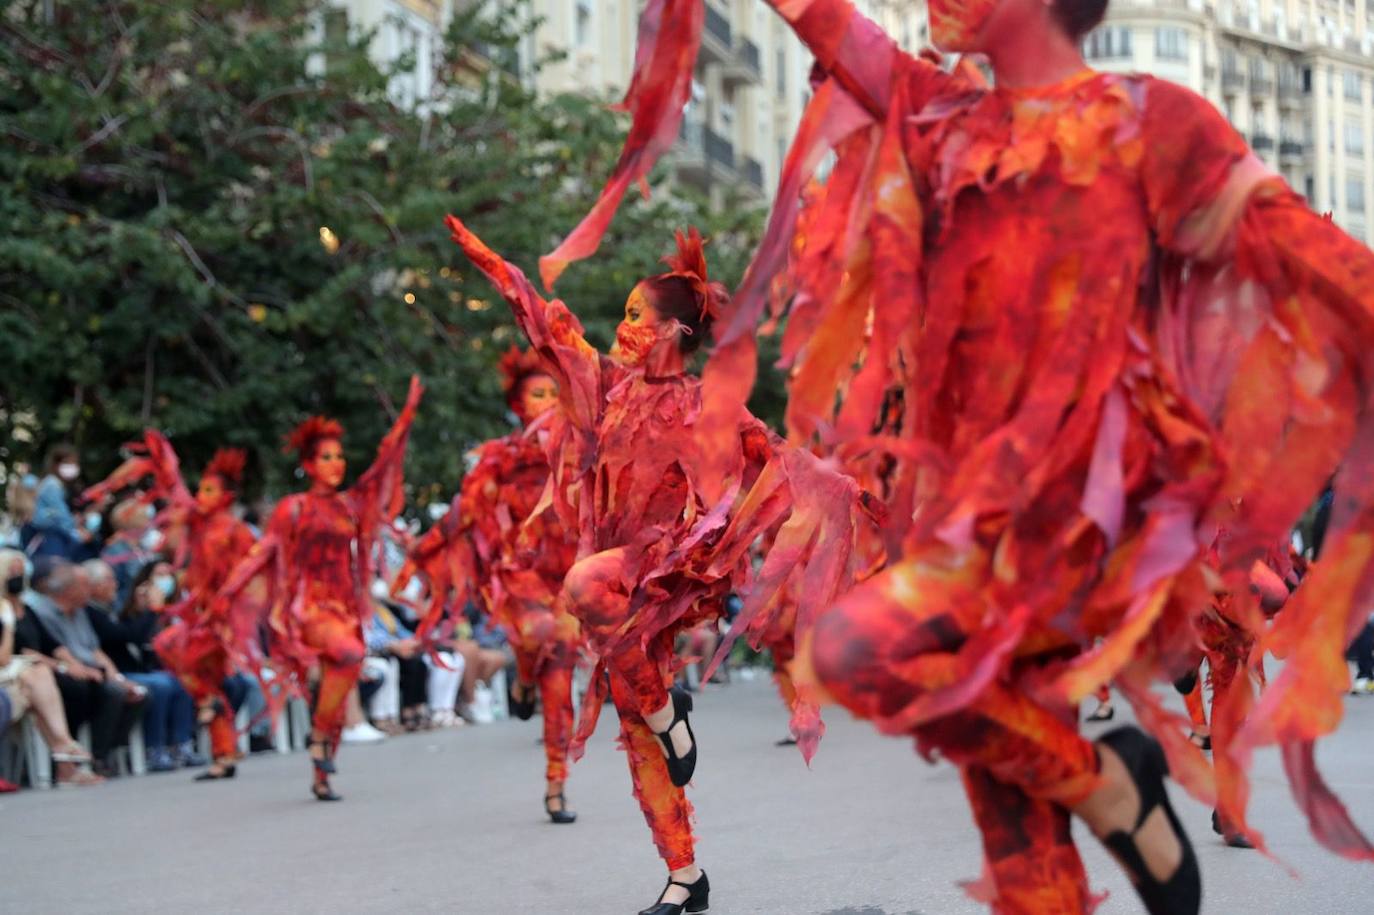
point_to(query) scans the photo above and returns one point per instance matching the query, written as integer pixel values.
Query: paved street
(452, 822)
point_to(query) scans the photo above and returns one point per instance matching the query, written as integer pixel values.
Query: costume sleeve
(1266, 320)
(553, 331)
(376, 496)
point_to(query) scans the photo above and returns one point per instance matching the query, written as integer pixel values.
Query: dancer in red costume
(309, 573)
(1113, 327)
(659, 553)
(208, 540)
(493, 546)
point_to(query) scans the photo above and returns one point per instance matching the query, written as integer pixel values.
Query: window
(1171, 44)
(1354, 137)
(1354, 86)
(1354, 194)
(1110, 42)
(1310, 190)
(782, 74)
(1307, 79)
(584, 23)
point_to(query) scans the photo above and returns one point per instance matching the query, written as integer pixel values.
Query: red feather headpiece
(690, 263)
(228, 464)
(307, 436)
(516, 365)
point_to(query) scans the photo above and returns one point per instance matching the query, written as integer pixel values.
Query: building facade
(751, 81)
(1296, 77)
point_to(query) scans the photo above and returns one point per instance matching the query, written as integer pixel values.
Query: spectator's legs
(114, 718)
(40, 688)
(414, 682)
(384, 707)
(157, 711)
(1362, 652)
(444, 681)
(80, 700)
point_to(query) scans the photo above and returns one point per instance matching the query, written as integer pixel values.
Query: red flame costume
(1113, 328)
(497, 546)
(309, 574)
(658, 552)
(207, 540)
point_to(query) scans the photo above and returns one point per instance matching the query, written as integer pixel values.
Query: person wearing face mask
(493, 547)
(30, 683)
(311, 569)
(659, 549)
(55, 531)
(126, 550)
(1113, 326)
(207, 540)
(127, 638)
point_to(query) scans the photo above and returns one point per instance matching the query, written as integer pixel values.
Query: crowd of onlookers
(84, 594)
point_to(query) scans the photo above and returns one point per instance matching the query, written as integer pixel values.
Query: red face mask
(634, 342)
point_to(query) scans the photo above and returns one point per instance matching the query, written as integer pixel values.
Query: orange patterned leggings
(198, 659)
(336, 637)
(598, 596)
(545, 657)
(1020, 762)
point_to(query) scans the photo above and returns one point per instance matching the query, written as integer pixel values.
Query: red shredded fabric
(1113, 330)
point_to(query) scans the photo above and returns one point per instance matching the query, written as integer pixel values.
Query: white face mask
(151, 540)
(166, 584)
(68, 471)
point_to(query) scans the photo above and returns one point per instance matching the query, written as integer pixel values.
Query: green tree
(219, 222)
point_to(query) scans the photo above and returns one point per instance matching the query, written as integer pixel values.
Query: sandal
(1181, 893)
(82, 778)
(78, 755)
(217, 771)
(680, 769)
(562, 815)
(520, 708)
(324, 767)
(1231, 837)
(698, 898)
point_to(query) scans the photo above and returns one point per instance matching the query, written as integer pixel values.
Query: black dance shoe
(562, 815)
(698, 898)
(520, 708)
(1233, 839)
(680, 769)
(1181, 894)
(210, 775)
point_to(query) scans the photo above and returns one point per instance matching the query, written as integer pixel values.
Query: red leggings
(598, 597)
(335, 635)
(545, 656)
(199, 661)
(1021, 762)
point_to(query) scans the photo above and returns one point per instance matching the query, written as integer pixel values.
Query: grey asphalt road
(452, 822)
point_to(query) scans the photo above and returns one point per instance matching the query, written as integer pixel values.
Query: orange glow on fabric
(956, 24)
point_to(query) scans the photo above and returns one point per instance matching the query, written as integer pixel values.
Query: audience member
(28, 685)
(169, 716)
(127, 551)
(397, 648)
(54, 530)
(93, 690)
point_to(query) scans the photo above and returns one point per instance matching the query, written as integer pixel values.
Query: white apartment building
(1296, 77)
(747, 99)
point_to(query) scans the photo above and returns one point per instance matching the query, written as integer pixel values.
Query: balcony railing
(1261, 142)
(1292, 148)
(719, 151)
(753, 172)
(1261, 84)
(1232, 80)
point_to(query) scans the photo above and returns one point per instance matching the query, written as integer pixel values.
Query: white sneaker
(482, 705)
(1364, 686)
(362, 732)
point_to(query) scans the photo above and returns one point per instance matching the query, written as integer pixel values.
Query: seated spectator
(93, 690)
(127, 552)
(387, 640)
(169, 716)
(54, 530)
(356, 728)
(244, 692)
(21, 498)
(27, 684)
(482, 648)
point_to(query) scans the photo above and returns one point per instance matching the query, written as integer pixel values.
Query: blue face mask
(166, 584)
(93, 522)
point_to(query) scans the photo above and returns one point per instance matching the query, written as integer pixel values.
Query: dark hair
(674, 296)
(1079, 17)
(60, 453)
(145, 574)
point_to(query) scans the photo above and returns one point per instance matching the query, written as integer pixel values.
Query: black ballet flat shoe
(210, 775)
(788, 741)
(1099, 714)
(698, 899)
(520, 708)
(1184, 684)
(323, 766)
(680, 769)
(1144, 759)
(561, 816)
(323, 792)
(1233, 839)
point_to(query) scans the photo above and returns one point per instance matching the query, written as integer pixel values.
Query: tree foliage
(219, 221)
